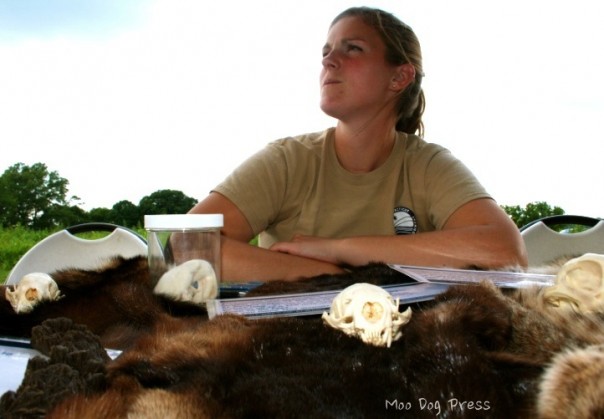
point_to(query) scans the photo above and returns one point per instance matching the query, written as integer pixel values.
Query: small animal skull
(32, 289)
(579, 285)
(369, 312)
(194, 281)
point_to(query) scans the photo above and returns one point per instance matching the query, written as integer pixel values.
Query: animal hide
(472, 352)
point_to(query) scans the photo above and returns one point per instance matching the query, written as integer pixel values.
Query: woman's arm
(479, 234)
(244, 262)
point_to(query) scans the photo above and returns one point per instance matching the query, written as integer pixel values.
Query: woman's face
(356, 80)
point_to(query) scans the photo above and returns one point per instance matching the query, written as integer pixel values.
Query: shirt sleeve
(449, 185)
(257, 187)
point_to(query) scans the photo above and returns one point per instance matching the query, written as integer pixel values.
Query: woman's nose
(329, 59)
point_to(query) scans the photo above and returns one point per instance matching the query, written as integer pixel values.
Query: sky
(126, 97)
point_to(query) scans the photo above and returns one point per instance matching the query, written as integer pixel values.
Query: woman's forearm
(244, 262)
(472, 246)
(479, 234)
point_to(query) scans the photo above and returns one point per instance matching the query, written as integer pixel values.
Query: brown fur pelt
(473, 352)
(116, 303)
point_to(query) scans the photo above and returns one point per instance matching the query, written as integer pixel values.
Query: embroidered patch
(404, 221)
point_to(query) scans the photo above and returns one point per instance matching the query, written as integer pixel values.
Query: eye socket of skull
(31, 294)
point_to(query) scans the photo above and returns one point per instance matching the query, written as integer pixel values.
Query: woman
(367, 190)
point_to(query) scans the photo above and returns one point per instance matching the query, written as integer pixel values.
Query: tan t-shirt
(297, 186)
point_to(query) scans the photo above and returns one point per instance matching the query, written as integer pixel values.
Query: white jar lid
(183, 221)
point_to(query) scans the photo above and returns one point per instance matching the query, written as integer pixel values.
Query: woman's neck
(363, 150)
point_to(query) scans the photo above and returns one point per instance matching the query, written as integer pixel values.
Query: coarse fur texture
(472, 352)
(116, 303)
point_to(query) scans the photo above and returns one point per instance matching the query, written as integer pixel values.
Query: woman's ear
(403, 77)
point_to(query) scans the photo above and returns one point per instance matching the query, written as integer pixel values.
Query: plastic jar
(174, 239)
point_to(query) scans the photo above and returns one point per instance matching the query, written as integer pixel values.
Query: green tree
(166, 201)
(101, 215)
(533, 211)
(126, 214)
(28, 193)
(61, 216)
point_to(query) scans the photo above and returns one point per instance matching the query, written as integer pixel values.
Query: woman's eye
(344, 48)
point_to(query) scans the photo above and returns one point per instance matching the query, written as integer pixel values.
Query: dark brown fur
(116, 303)
(472, 345)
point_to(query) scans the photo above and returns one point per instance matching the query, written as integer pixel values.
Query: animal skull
(194, 281)
(32, 289)
(369, 312)
(579, 285)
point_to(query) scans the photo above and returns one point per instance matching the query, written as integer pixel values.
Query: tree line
(36, 198)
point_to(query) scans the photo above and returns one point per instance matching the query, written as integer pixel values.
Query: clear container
(174, 239)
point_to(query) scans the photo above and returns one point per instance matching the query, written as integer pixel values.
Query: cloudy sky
(126, 97)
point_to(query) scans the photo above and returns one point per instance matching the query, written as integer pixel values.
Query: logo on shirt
(404, 221)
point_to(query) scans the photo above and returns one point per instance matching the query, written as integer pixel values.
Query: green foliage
(31, 196)
(125, 213)
(533, 211)
(166, 201)
(34, 197)
(101, 215)
(62, 215)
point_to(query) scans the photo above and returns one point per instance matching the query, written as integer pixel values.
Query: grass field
(14, 242)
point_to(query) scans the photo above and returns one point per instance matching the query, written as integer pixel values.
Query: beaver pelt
(474, 351)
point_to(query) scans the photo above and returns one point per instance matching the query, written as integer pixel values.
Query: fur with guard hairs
(472, 352)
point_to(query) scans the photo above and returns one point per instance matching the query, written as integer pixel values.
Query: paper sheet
(13, 361)
(502, 279)
(312, 303)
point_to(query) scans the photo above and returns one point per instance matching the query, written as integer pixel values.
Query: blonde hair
(402, 47)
